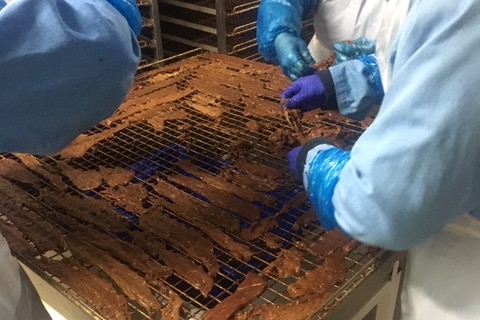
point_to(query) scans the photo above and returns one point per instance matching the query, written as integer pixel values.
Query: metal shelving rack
(150, 38)
(215, 25)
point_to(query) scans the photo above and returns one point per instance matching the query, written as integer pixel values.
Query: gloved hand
(129, 9)
(292, 157)
(305, 93)
(293, 56)
(297, 157)
(348, 50)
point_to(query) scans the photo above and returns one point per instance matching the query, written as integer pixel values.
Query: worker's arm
(352, 87)
(279, 39)
(418, 165)
(65, 65)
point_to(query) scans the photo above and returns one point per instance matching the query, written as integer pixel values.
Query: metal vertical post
(221, 17)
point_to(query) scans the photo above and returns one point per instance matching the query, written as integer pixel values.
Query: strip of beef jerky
(129, 197)
(210, 110)
(257, 170)
(250, 182)
(116, 176)
(97, 292)
(172, 310)
(220, 183)
(296, 310)
(219, 197)
(180, 236)
(124, 251)
(78, 147)
(14, 170)
(258, 228)
(305, 219)
(272, 241)
(250, 288)
(32, 163)
(156, 118)
(296, 201)
(321, 279)
(83, 179)
(140, 107)
(43, 234)
(228, 76)
(128, 281)
(219, 90)
(16, 240)
(156, 82)
(236, 249)
(197, 208)
(183, 266)
(328, 243)
(287, 264)
(86, 209)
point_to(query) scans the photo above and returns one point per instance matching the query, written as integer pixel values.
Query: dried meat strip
(128, 281)
(124, 251)
(183, 266)
(197, 208)
(321, 279)
(97, 292)
(129, 197)
(287, 264)
(219, 197)
(16, 240)
(116, 176)
(179, 235)
(326, 245)
(296, 310)
(32, 163)
(83, 179)
(236, 249)
(86, 209)
(250, 288)
(220, 183)
(42, 233)
(14, 170)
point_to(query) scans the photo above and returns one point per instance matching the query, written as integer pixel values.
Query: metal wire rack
(205, 141)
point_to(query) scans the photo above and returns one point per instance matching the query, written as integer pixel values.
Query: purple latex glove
(292, 157)
(305, 93)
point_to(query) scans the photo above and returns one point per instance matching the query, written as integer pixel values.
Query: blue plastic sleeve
(129, 9)
(323, 173)
(277, 16)
(374, 78)
(2, 4)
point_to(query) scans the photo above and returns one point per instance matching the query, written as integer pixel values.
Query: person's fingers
(292, 90)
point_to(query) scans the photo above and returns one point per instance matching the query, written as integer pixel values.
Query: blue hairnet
(323, 173)
(71, 68)
(129, 9)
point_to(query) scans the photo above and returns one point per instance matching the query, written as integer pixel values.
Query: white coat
(442, 273)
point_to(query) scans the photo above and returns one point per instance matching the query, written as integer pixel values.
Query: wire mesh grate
(208, 138)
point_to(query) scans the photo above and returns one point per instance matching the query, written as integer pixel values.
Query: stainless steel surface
(150, 39)
(135, 145)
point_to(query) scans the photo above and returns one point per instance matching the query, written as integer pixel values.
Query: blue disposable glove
(348, 50)
(129, 9)
(292, 157)
(297, 157)
(305, 93)
(293, 56)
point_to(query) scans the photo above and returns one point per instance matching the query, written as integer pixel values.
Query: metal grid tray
(244, 91)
